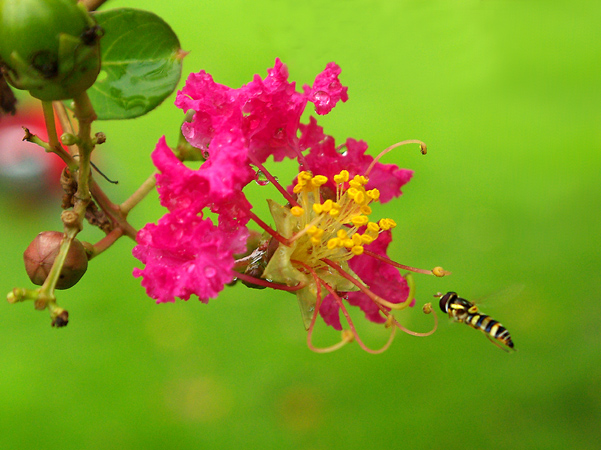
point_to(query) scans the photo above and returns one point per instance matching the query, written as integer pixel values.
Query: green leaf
(141, 63)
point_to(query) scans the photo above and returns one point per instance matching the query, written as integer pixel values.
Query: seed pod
(49, 47)
(41, 253)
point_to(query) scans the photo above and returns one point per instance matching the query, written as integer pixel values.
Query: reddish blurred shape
(26, 170)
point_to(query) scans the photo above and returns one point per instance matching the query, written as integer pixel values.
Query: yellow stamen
(365, 239)
(374, 194)
(348, 336)
(297, 211)
(299, 186)
(348, 243)
(342, 177)
(359, 197)
(440, 272)
(357, 250)
(365, 210)
(305, 176)
(387, 224)
(358, 181)
(373, 227)
(332, 243)
(319, 180)
(311, 230)
(360, 220)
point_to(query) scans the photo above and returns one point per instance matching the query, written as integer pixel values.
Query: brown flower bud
(39, 258)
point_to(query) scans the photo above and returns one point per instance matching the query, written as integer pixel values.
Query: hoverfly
(464, 311)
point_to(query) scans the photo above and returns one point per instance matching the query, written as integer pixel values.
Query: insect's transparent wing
(499, 298)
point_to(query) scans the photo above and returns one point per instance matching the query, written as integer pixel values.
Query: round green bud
(49, 47)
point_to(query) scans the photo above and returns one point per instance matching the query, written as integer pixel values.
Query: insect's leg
(494, 341)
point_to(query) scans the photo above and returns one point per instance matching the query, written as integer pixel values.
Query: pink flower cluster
(185, 253)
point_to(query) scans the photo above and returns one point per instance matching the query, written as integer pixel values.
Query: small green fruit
(49, 47)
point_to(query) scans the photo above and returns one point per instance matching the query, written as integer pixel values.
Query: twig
(92, 5)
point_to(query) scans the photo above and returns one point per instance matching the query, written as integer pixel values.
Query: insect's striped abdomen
(462, 310)
(491, 327)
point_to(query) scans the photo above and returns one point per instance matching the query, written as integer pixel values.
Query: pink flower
(323, 243)
(186, 254)
(266, 111)
(216, 183)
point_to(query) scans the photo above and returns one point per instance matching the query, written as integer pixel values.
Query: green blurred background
(507, 96)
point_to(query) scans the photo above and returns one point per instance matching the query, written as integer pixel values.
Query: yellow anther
(358, 181)
(359, 198)
(319, 233)
(342, 234)
(365, 210)
(299, 187)
(348, 336)
(335, 212)
(318, 208)
(373, 235)
(373, 227)
(312, 230)
(341, 177)
(305, 176)
(351, 192)
(357, 239)
(366, 239)
(357, 250)
(387, 224)
(360, 220)
(315, 240)
(348, 243)
(297, 211)
(318, 180)
(374, 194)
(361, 179)
(440, 272)
(389, 321)
(327, 205)
(332, 243)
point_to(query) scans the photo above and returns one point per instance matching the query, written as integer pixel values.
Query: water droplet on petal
(178, 234)
(322, 98)
(210, 272)
(279, 138)
(261, 179)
